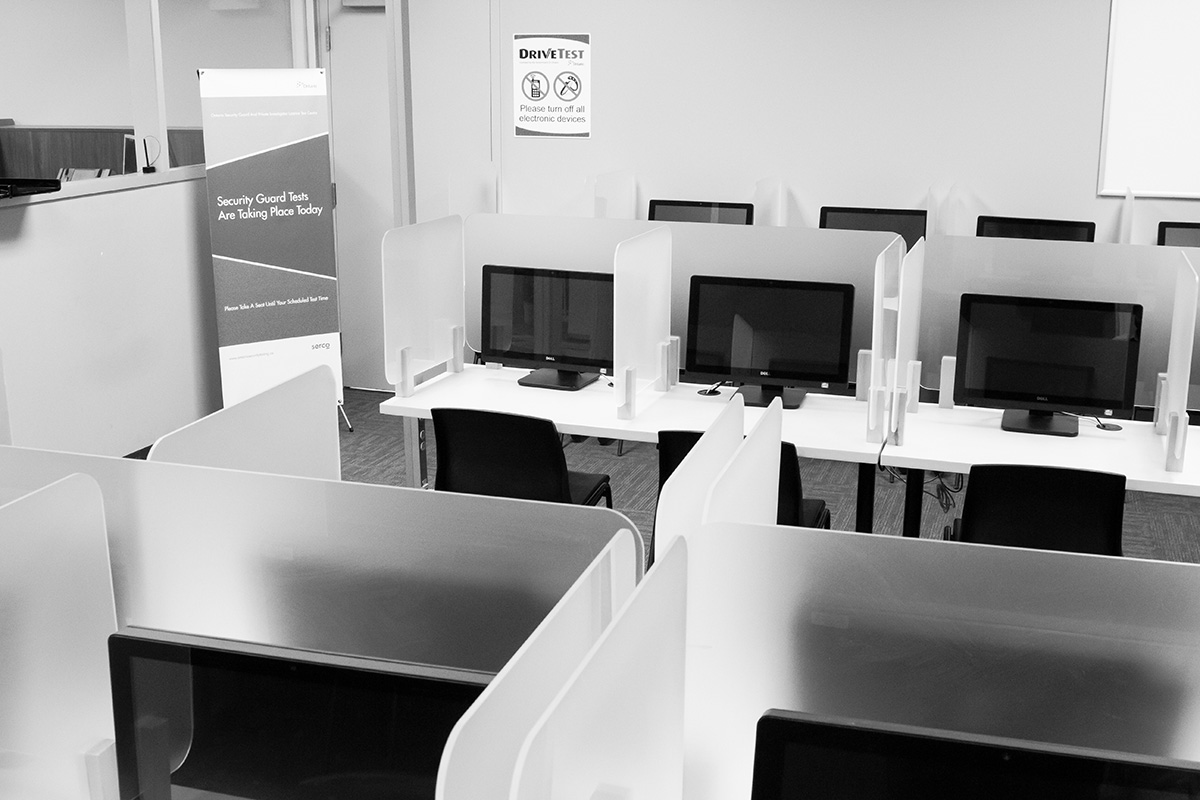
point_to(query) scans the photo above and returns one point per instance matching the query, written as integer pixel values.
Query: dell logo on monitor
(549, 358)
(764, 373)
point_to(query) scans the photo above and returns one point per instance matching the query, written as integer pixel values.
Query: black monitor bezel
(1088, 406)
(656, 204)
(877, 212)
(1089, 228)
(777, 729)
(696, 373)
(1167, 225)
(536, 360)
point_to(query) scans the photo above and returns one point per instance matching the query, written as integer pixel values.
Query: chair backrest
(1049, 508)
(503, 455)
(674, 445)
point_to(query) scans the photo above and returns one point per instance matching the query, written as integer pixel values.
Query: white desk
(954, 439)
(825, 426)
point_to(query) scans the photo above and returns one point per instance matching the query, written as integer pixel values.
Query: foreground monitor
(559, 323)
(702, 211)
(1024, 228)
(775, 337)
(1044, 359)
(909, 223)
(830, 758)
(200, 717)
(1179, 234)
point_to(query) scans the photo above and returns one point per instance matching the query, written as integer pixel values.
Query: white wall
(850, 103)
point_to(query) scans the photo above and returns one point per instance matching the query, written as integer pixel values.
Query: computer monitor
(1037, 357)
(702, 211)
(907, 222)
(557, 322)
(205, 717)
(1022, 228)
(775, 337)
(1179, 234)
(806, 755)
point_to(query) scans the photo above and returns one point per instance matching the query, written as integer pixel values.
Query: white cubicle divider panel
(1179, 363)
(616, 195)
(56, 723)
(885, 310)
(583, 244)
(641, 319)
(1062, 648)
(481, 752)
(379, 571)
(770, 202)
(1041, 268)
(5, 425)
(289, 429)
(422, 300)
(907, 388)
(616, 730)
(683, 498)
(748, 488)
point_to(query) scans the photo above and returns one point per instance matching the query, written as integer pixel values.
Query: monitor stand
(761, 396)
(564, 379)
(1050, 423)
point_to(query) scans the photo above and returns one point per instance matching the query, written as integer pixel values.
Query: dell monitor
(1045, 360)
(1023, 228)
(1179, 234)
(702, 211)
(799, 754)
(907, 222)
(774, 337)
(559, 323)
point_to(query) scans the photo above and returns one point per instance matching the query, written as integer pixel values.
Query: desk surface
(951, 440)
(825, 426)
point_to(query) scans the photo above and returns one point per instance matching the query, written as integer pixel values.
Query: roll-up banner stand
(270, 206)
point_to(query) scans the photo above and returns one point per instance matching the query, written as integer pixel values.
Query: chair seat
(814, 513)
(589, 488)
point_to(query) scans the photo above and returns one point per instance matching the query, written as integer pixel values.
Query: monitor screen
(204, 717)
(1021, 228)
(1179, 234)
(831, 758)
(908, 222)
(1043, 355)
(701, 211)
(556, 322)
(769, 334)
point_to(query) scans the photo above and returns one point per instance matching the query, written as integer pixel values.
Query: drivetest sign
(552, 85)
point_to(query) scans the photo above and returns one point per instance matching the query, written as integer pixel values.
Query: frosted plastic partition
(616, 195)
(55, 702)
(683, 498)
(1042, 268)
(474, 188)
(748, 488)
(908, 334)
(1082, 650)
(770, 202)
(481, 752)
(5, 426)
(641, 315)
(289, 429)
(380, 571)
(422, 294)
(884, 338)
(1179, 361)
(616, 729)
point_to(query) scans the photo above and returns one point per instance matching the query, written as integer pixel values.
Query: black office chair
(1048, 508)
(509, 455)
(794, 507)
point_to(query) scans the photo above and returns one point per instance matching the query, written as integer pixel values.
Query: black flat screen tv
(909, 223)
(557, 322)
(832, 758)
(1179, 234)
(774, 337)
(1039, 357)
(1025, 228)
(702, 211)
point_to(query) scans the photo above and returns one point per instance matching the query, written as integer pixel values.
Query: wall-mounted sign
(552, 85)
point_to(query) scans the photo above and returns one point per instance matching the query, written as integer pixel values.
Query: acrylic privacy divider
(481, 752)
(56, 724)
(885, 309)
(641, 319)
(615, 195)
(422, 301)
(616, 728)
(770, 202)
(473, 188)
(1042, 268)
(683, 498)
(747, 489)
(1172, 418)
(289, 429)
(907, 388)
(1092, 651)
(341, 567)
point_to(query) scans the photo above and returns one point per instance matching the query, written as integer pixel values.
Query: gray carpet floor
(1156, 526)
